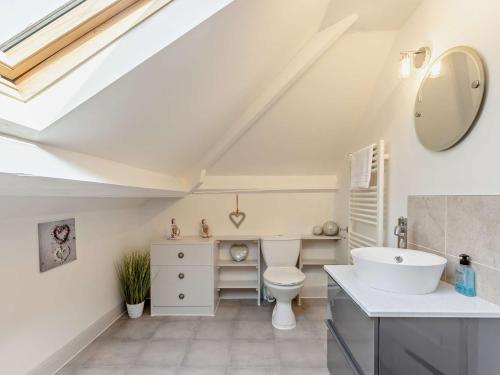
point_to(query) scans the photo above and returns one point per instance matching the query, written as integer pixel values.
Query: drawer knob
(181, 276)
(180, 255)
(181, 296)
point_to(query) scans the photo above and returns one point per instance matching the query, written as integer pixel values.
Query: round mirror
(449, 98)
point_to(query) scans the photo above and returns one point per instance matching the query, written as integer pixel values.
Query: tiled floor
(238, 340)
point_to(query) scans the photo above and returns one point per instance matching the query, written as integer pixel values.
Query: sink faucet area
(401, 232)
(398, 271)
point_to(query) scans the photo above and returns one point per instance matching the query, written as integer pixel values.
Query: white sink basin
(398, 270)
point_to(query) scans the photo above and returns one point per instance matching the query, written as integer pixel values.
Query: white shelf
(255, 238)
(232, 263)
(237, 238)
(318, 262)
(238, 284)
(320, 238)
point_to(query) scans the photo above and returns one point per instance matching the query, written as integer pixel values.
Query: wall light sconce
(414, 60)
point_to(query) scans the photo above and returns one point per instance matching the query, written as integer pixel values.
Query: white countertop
(443, 303)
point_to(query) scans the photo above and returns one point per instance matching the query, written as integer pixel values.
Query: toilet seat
(286, 276)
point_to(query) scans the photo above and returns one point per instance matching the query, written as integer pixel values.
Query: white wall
(41, 312)
(266, 213)
(468, 168)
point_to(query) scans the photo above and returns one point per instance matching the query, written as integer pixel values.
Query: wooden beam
(316, 47)
(264, 184)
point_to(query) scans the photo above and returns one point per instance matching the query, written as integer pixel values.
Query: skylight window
(42, 40)
(21, 19)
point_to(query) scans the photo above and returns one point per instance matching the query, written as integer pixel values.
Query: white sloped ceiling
(162, 118)
(315, 121)
(167, 112)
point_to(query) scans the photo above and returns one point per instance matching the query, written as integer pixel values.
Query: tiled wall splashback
(451, 225)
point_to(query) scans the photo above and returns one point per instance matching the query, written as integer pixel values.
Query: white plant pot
(135, 311)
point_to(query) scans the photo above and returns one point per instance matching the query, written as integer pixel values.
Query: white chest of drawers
(182, 277)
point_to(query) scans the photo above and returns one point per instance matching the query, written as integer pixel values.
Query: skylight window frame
(40, 24)
(45, 56)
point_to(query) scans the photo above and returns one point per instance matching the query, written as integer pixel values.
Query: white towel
(361, 168)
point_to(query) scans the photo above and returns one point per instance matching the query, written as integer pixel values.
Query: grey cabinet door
(356, 330)
(339, 360)
(439, 346)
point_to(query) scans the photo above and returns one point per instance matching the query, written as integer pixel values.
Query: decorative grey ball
(239, 252)
(330, 228)
(317, 230)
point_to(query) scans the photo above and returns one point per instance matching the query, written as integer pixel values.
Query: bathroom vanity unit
(373, 332)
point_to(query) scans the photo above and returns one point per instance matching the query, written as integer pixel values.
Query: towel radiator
(366, 206)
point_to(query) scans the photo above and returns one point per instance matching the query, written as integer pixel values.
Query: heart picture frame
(56, 243)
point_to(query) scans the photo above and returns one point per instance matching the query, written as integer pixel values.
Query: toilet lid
(284, 275)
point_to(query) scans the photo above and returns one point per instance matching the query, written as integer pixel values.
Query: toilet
(282, 278)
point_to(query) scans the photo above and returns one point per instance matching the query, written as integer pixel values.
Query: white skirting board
(61, 357)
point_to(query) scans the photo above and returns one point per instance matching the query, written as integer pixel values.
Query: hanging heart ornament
(237, 217)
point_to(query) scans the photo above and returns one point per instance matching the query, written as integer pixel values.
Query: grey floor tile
(215, 330)
(163, 353)
(302, 353)
(96, 371)
(255, 312)
(306, 371)
(138, 370)
(85, 354)
(304, 330)
(204, 353)
(253, 371)
(179, 318)
(299, 311)
(114, 352)
(132, 329)
(238, 340)
(254, 353)
(182, 329)
(314, 302)
(262, 330)
(252, 302)
(322, 329)
(66, 370)
(227, 310)
(201, 371)
(315, 312)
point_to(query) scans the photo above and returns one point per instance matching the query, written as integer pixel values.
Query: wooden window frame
(42, 58)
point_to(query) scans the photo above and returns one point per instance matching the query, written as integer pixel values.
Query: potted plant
(134, 276)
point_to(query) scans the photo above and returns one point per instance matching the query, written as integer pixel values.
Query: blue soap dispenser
(465, 279)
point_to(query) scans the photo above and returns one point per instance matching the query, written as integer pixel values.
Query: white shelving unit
(237, 284)
(309, 258)
(238, 277)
